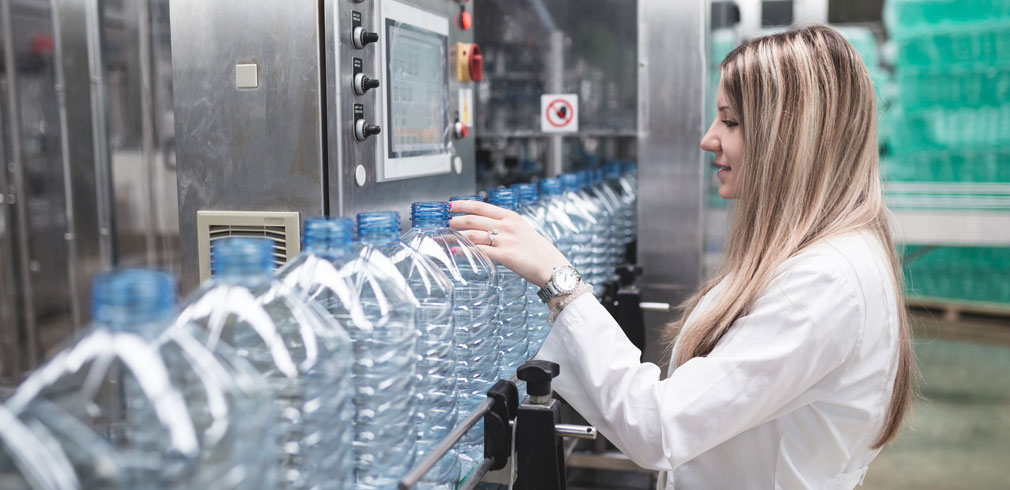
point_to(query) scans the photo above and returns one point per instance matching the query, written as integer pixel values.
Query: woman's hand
(516, 245)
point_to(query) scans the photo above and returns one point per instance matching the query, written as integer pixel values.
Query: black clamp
(504, 398)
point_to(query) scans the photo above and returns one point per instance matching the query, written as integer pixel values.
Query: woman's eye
(730, 124)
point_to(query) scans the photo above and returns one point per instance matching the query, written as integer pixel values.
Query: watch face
(566, 279)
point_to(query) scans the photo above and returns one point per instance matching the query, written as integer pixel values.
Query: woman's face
(725, 140)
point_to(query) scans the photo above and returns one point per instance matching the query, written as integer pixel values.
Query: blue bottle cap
(504, 198)
(379, 226)
(132, 297)
(570, 182)
(527, 193)
(551, 187)
(429, 214)
(235, 257)
(327, 236)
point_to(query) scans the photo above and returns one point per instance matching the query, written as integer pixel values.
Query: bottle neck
(430, 222)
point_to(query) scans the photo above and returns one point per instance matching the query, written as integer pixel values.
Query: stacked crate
(948, 135)
(952, 80)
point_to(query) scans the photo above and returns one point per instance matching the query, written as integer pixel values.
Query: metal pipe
(444, 446)
(478, 474)
(147, 129)
(575, 431)
(16, 167)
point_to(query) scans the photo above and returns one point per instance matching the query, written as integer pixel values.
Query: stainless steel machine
(290, 110)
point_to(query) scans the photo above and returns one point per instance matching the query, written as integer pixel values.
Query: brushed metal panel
(246, 149)
(346, 153)
(671, 86)
(85, 146)
(35, 192)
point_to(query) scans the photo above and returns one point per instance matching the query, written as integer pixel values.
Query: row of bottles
(340, 370)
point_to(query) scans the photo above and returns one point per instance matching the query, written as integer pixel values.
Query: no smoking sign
(559, 113)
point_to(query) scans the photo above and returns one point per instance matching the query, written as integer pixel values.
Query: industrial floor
(959, 433)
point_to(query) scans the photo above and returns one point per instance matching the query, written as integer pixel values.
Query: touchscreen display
(417, 91)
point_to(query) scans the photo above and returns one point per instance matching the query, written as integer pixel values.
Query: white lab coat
(791, 397)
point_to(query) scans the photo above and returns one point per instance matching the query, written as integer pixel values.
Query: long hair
(806, 107)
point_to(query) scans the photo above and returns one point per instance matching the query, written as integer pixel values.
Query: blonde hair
(806, 107)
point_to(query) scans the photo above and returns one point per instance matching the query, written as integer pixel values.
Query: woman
(793, 366)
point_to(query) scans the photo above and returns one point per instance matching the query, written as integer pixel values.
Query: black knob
(538, 376)
(363, 84)
(369, 37)
(360, 37)
(362, 130)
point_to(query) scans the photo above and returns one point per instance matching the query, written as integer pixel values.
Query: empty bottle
(432, 293)
(32, 459)
(571, 223)
(475, 302)
(371, 299)
(537, 325)
(515, 339)
(303, 355)
(115, 381)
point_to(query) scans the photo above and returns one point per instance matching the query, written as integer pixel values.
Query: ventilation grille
(281, 228)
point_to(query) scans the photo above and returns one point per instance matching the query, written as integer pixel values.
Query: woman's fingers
(477, 237)
(474, 222)
(479, 208)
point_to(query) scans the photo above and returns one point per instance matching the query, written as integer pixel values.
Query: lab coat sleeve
(772, 360)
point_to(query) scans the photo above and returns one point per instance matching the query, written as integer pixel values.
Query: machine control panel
(400, 113)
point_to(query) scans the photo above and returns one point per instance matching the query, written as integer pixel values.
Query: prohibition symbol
(559, 113)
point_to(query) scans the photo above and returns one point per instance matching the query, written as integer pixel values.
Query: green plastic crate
(958, 166)
(914, 17)
(951, 129)
(968, 44)
(959, 273)
(953, 87)
(864, 42)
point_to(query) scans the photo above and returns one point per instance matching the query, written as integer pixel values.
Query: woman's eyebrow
(723, 108)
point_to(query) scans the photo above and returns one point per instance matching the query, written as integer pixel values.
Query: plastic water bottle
(300, 353)
(595, 193)
(628, 183)
(432, 292)
(119, 381)
(573, 222)
(475, 301)
(537, 325)
(515, 339)
(31, 459)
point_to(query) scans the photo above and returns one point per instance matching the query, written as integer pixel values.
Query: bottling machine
(291, 110)
(288, 110)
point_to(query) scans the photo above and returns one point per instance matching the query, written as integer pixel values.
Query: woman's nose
(710, 142)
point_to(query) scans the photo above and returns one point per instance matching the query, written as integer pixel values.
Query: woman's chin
(726, 192)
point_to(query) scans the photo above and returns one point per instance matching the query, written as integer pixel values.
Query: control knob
(362, 130)
(460, 130)
(363, 84)
(361, 38)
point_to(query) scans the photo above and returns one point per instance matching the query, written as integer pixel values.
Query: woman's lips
(723, 169)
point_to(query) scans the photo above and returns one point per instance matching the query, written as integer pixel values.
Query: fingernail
(453, 250)
(450, 205)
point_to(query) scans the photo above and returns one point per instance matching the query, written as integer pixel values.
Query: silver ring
(491, 236)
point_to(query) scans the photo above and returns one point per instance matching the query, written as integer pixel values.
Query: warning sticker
(559, 113)
(466, 106)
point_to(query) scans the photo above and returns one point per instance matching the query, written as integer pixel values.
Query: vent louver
(281, 228)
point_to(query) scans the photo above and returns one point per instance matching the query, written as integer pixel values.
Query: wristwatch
(563, 280)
